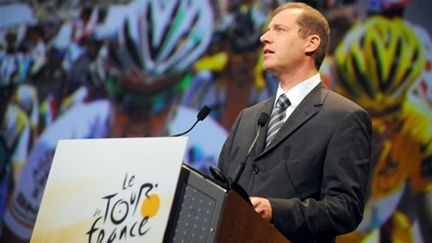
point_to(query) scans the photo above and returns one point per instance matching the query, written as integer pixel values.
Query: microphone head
(202, 114)
(263, 118)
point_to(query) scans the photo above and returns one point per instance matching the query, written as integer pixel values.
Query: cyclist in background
(146, 73)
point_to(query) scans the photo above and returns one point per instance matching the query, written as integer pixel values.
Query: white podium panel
(110, 190)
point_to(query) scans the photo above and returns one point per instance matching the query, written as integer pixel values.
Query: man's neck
(291, 79)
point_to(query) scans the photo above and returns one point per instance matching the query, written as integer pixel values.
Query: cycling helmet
(377, 62)
(26, 97)
(161, 39)
(165, 37)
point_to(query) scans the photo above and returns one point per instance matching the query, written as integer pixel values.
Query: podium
(205, 212)
(132, 190)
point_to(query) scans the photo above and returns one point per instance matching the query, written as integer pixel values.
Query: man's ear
(312, 43)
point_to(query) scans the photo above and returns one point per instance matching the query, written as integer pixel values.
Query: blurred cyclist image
(231, 73)
(379, 63)
(145, 71)
(143, 68)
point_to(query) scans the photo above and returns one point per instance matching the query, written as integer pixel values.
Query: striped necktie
(277, 117)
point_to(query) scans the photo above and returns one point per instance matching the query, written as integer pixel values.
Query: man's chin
(268, 68)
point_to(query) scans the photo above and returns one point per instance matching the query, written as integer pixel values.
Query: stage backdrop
(144, 68)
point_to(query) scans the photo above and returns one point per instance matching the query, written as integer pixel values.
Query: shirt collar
(297, 93)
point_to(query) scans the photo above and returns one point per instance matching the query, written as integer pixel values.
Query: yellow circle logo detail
(150, 206)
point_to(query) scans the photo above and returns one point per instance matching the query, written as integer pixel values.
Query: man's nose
(265, 37)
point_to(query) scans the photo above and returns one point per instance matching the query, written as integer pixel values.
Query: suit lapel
(310, 105)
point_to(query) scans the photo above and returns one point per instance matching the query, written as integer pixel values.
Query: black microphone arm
(232, 184)
(262, 120)
(202, 114)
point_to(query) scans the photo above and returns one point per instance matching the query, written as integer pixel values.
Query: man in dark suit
(309, 170)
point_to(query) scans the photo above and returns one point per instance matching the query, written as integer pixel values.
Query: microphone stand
(202, 114)
(233, 184)
(242, 165)
(185, 132)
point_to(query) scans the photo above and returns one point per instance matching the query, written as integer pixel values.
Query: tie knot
(283, 102)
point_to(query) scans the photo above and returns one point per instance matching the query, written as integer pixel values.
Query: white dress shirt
(297, 93)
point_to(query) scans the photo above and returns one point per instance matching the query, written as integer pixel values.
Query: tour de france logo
(126, 213)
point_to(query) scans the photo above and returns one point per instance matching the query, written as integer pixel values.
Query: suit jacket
(315, 171)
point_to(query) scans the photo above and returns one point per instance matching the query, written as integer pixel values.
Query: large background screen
(98, 69)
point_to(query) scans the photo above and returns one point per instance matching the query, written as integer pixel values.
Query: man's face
(284, 49)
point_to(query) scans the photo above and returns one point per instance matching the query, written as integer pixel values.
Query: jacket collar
(310, 105)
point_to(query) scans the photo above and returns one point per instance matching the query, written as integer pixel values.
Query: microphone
(262, 120)
(202, 114)
(233, 184)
